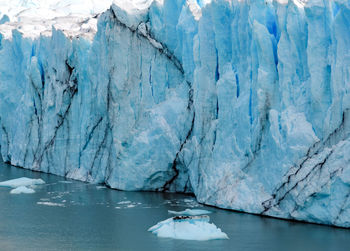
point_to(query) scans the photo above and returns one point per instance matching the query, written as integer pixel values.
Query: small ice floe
(58, 195)
(22, 185)
(51, 204)
(65, 182)
(22, 189)
(191, 203)
(24, 181)
(188, 228)
(124, 202)
(101, 187)
(127, 204)
(190, 212)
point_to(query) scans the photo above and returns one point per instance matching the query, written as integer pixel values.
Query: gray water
(89, 217)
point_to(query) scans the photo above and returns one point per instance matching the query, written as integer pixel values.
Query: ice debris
(51, 204)
(22, 185)
(188, 228)
(22, 189)
(24, 181)
(190, 212)
(65, 182)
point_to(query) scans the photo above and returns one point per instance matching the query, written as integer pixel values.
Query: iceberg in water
(21, 182)
(22, 189)
(188, 228)
(190, 212)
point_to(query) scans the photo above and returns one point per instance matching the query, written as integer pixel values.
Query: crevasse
(246, 104)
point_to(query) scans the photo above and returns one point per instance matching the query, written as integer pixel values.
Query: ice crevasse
(246, 104)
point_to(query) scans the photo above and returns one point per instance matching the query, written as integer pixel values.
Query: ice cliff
(244, 103)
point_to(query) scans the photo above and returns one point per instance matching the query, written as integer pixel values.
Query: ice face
(244, 103)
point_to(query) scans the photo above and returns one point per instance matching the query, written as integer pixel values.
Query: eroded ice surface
(244, 103)
(195, 228)
(190, 212)
(21, 182)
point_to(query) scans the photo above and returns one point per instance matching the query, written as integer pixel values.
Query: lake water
(71, 215)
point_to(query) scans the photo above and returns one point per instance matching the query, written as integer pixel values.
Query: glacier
(245, 104)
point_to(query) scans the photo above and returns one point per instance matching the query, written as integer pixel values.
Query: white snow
(17, 9)
(24, 181)
(36, 17)
(131, 13)
(22, 189)
(190, 212)
(189, 228)
(74, 17)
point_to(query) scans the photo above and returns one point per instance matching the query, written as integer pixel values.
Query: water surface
(71, 215)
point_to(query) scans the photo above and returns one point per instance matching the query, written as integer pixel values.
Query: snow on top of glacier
(78, 18)
(37, 17)
(131, 13)
(16, 9)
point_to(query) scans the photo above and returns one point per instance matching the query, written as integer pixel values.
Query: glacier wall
(244, 103)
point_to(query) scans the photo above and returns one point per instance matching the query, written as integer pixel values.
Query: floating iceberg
(21, 182)
(22, 189)
(188, 228)
(190, 212)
